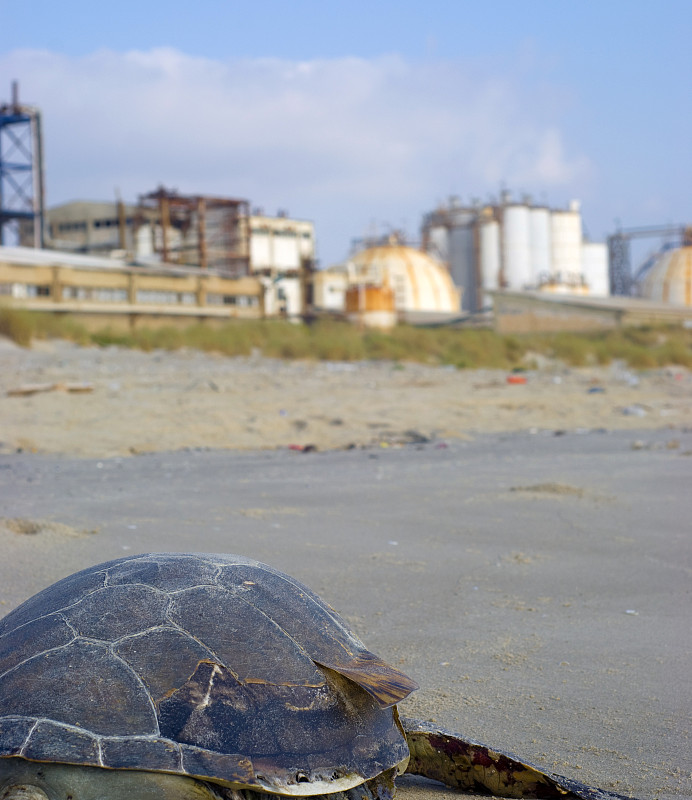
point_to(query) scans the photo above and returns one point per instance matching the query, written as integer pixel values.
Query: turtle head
(32, 780)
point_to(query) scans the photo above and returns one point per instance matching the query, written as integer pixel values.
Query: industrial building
(112, 292)
(515, 245)
(216, 233)
(282, 255)
(101, 229)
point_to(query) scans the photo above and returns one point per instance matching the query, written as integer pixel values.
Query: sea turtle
(198, 677)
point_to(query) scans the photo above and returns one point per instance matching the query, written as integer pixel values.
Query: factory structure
(216, 235)
(520, 266)
(168, 250)
(466, 254)
(515, 245)
(526, 266)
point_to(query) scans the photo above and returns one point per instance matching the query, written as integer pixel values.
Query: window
(66, 227)
(109, 295)
(155, 296)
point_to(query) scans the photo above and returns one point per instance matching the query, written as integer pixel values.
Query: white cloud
(340, 141)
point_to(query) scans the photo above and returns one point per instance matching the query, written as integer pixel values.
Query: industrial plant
(515, 245)
(213, 234)
(172, 257)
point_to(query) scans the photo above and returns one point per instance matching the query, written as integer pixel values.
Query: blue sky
(363, 116)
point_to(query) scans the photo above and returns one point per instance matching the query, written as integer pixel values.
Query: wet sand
(525, 555)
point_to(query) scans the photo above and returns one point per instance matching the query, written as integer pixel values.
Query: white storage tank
(540, 244)
(566, 240)
(594, 268)
(516, 246)
(489, 258)
(438, 242)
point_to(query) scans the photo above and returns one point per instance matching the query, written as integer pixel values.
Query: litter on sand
(36, 388)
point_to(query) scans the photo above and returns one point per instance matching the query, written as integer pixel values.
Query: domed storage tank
(419, 282)
(670, 278)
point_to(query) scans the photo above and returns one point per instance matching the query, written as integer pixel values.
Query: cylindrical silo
(594, 267)
(437, 241)
(540, 244)
(489, 257)
(566, 236)
(448, 235)
(462, 263)
(516, 246)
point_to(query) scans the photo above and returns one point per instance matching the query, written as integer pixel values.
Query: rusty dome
(419, 282)
(669, 279)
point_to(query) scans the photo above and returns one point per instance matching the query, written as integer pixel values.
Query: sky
(363, 116)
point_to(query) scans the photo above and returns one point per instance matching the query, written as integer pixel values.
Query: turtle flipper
(468, 765)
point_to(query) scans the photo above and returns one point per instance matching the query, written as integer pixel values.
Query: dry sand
(150, 402)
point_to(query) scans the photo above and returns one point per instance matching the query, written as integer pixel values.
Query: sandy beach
(521, 549)
(127, 402)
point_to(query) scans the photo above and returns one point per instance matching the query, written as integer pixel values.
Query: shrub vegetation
(640, 348)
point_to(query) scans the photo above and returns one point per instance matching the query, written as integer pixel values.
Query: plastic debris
(516, 379)
(303, 448)
(634, 411)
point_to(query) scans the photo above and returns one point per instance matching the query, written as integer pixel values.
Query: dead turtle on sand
(198, 677)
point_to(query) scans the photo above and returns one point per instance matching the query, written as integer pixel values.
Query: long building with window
(168, 229)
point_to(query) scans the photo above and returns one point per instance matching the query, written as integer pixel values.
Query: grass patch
(640, 348)
(17, 325)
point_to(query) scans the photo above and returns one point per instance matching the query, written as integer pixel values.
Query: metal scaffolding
(21, 173)
(208, 232)
(619, 252)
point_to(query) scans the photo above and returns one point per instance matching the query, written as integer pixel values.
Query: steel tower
(21, 173)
